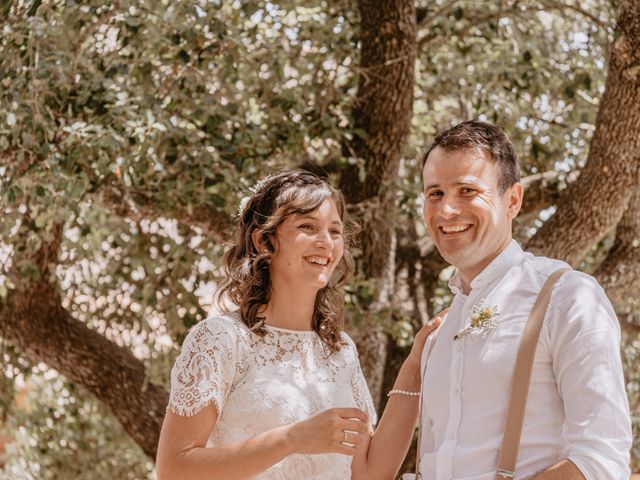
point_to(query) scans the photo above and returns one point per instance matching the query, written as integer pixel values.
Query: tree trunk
(595, 203)
(383, 112)
(619, 273)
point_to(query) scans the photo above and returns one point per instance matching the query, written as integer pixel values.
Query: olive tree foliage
(129, 132)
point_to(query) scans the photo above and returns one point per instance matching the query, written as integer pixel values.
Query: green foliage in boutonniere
(481, 320)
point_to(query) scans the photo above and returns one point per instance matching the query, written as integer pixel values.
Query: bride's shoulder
(221, 325)
(349, 347)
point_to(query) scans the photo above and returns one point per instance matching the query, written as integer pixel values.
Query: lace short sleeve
(361, 393)
(205, 370)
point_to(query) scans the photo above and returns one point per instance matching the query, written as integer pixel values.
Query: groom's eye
(435, 193)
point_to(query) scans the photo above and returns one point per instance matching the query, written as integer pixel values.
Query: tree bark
(383, 112)
(595, 203)
(619, 273)
(33, 319)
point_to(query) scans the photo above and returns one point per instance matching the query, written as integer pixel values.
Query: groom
(577, 423)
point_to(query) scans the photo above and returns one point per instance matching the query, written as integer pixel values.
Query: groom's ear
(515, 195)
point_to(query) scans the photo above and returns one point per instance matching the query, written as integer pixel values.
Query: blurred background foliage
(139, 125)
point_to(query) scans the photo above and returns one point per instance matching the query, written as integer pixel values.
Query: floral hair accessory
(260, 183)
(481, 321)
(243, 204)
(254, 189)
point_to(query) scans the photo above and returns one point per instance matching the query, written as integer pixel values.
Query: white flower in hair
(260, 183)
(243, 204)
(245, 200)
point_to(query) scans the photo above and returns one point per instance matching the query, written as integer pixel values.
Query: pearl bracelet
(397, 391)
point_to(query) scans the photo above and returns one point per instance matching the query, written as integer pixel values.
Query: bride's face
(308, 247)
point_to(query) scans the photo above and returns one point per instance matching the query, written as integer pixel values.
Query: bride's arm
(382, 456)
(182, 452)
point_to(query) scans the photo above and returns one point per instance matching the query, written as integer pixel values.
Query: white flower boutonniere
(481, 320)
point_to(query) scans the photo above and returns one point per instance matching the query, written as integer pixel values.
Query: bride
(274, 390)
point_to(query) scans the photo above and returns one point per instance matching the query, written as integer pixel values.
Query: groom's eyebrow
(464, 181)
(429, 186)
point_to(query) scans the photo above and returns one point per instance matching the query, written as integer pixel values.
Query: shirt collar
(505, 260)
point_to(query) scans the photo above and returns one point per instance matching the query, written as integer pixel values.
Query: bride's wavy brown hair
(248, 284)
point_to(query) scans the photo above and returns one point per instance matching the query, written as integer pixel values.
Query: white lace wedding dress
(259, 383)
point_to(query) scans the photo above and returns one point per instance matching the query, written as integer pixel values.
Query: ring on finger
(345, 436)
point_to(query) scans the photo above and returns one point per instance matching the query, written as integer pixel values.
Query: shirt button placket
(454, 397)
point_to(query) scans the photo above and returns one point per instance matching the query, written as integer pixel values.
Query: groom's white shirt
(577, 406)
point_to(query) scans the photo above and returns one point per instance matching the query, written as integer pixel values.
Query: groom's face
(467, 216)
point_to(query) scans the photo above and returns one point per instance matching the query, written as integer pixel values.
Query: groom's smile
(454, 229)
(469, 218)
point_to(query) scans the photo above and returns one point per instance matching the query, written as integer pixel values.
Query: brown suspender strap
(521, 379)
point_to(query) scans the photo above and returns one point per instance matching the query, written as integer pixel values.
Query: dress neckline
(289, 330)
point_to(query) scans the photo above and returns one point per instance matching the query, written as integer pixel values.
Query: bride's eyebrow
(304, 216)
(308, 216)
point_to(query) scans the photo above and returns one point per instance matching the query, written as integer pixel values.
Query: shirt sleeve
(585, 344)
(361, 392)
(206, 367)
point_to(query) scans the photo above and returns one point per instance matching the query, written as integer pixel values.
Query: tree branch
(140, 205)
(426, 20)
(33, 319)
(513, 10)
(421, 13)
(545, 189)
(561, 6)
(595, 203)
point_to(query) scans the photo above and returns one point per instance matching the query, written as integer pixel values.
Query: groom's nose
(449, 206)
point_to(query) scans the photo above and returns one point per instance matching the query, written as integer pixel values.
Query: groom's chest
(479, 341)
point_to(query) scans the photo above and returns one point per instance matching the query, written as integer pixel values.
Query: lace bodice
(260, 383)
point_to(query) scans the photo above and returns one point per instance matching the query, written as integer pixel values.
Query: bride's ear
(257, 238)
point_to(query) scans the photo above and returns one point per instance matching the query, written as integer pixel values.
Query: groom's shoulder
(542, 267)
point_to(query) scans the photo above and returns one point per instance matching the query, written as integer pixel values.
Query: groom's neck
(466, 286)
(467, 276)
(469, 272)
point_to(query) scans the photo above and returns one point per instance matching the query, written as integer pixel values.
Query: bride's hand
(421, 337)
(338, 430)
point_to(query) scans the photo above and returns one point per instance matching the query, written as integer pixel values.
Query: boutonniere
(481, 320)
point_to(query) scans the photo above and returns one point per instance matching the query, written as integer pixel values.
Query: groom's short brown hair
(473, 134)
